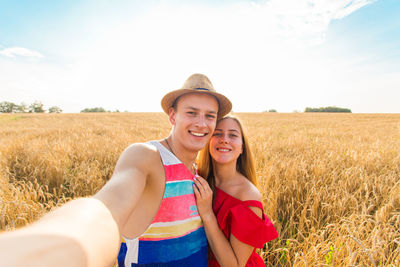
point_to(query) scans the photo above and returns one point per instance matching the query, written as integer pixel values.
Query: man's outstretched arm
(85, 231)
(80, 233)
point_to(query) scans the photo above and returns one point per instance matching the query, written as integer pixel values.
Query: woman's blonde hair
(244, 164)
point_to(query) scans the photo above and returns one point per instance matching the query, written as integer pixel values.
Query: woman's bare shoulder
(248, 191)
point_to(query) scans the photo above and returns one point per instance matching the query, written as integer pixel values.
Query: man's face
(194, 120)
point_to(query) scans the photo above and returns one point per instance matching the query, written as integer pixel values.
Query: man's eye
(211, 116)
(191, 113)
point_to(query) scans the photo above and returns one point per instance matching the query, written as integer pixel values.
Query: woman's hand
(204, 196)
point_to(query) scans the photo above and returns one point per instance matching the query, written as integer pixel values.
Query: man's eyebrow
(196, 109)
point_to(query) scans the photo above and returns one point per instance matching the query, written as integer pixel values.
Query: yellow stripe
(171, 231)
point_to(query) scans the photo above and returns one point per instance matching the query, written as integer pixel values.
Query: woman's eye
(233, 135)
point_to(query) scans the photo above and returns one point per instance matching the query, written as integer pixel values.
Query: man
(149, 199)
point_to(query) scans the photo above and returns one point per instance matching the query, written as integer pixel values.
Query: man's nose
(201, 122)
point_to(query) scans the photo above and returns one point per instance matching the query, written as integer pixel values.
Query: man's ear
(172, 114)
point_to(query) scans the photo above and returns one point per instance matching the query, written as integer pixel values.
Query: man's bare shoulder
(146, 148)
(144, 151)
(140, 155)
(133, 176)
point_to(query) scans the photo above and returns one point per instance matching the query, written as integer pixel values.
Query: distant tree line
(97, 109)
(35, 107)
(328, 109)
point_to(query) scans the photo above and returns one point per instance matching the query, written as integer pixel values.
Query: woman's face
(226, 142)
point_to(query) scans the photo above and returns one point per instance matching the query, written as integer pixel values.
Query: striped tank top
(176, 236)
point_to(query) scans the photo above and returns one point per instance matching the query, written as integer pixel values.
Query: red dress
(235, 217)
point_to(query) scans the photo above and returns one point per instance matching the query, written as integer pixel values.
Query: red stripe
(177, 172)
(176, 209)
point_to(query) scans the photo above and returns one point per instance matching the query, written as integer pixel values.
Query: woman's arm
(230, 252)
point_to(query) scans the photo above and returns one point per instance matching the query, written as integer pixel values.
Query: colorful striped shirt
(176, 236)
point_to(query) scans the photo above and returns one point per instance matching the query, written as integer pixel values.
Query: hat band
(199, 88)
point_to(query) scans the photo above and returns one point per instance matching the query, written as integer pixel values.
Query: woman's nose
(223, 138)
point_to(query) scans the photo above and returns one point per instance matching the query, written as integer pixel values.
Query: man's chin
(197, 147)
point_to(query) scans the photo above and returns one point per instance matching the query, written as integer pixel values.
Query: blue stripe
(199, 259)
(122, 255)
(174, 189)
(174, 249)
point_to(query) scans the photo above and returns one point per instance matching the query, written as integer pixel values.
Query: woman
(228, 200)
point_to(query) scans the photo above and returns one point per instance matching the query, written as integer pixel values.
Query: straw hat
(197, 83)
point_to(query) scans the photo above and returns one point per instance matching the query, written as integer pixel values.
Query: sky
(262, 54)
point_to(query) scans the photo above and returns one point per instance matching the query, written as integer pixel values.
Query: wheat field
(330, 182)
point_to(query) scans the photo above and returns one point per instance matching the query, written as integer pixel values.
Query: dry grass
(330, 182)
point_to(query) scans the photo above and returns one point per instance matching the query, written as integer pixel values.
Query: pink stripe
(165, 238)
(176, 209)
(177, 172)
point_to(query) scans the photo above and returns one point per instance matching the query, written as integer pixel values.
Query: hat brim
(224, 104)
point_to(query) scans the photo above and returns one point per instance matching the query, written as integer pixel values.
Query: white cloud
(307, 21)
(13, 52)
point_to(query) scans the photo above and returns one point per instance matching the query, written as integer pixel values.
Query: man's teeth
(198, 134)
